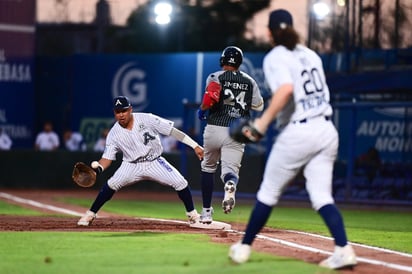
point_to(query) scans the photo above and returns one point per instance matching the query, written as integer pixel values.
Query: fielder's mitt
(83, 175)
(243, 131)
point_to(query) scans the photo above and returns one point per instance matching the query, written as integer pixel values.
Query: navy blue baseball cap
(280, 19)
(121, 103)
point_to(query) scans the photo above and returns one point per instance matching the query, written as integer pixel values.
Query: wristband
(190, 142)
(97, 167)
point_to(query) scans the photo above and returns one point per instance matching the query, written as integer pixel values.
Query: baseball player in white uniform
(136, 135)
(230, 94)
(307, 140)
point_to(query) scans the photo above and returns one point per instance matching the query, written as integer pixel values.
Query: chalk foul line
(271, 239)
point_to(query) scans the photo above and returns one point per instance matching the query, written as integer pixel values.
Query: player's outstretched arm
(199, 152)
(185, 139)
(277, 103)
(101, 165)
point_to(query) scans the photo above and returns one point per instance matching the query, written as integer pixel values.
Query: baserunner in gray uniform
(230, 94)
(136, 135)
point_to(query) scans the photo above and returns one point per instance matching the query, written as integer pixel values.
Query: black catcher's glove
(243, 131)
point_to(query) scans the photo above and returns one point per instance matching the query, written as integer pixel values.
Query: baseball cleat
(207, 215)
(342, 257)
(228, 202)
(239, 253)
(87, 218)
(193, 216)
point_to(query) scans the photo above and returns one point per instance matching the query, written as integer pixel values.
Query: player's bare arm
(101, 165)
(105, 163)
(199, 152)
(279, 100)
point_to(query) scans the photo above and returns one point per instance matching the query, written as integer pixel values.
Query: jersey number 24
(230, 100)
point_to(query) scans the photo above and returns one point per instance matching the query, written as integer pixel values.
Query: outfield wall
(52, 170)
(38, 169)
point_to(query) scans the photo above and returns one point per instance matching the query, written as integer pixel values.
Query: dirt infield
(110, 222)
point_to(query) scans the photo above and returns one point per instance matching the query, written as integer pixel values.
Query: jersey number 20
(312, 81)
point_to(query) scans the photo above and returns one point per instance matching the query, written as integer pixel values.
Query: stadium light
(341, 3)
(320, 10)
(163, 10)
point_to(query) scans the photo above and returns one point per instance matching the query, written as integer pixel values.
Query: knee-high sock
(334, 221)
(105, 194)
(258, 218)
(186, 196)
(230, 177)
(207, 184)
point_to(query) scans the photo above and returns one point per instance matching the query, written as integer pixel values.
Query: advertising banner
(157, 83)
(17, 31)
(164, 83)
(388, 130)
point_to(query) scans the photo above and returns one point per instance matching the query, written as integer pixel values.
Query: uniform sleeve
(111, 149)
(276, 73)
(213, 77)
(56, 140)
(257, 99)
(161, 125)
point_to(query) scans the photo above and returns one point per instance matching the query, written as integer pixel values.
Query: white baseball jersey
(142, 143)
(142, 149)
(75, 142)
(5, 141)
(47, 140)
(303, 68)
(308, 138)
(100, 144)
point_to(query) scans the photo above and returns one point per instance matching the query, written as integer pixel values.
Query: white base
(214, 225)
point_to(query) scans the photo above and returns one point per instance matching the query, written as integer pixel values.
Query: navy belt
(144, 159)
(327, 118)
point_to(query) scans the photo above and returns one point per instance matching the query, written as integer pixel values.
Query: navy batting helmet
(231, 56)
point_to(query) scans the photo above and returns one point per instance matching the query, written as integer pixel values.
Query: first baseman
(307, 140)
(136, 135)
(230, 94)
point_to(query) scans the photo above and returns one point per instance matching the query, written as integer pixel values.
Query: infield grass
(139, 252)
(386, 229)
(144, 252)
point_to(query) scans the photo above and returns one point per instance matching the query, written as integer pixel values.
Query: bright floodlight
(163, 19)
(321, 10)
(163, 11)
(341, 3)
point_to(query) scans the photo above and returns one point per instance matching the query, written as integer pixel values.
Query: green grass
(140, 252)
(144, 252)
(10, 209)
(387, 229)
